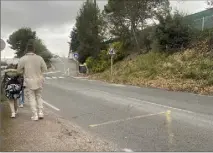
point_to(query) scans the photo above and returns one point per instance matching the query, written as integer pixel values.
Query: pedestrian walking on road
(33, 67)
(13, 87)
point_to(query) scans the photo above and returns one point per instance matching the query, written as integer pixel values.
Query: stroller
(12, 84)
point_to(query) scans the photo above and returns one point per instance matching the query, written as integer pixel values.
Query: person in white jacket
(33, 66)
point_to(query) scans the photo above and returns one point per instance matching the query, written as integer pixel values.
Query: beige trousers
(13, 106)
(35, 100)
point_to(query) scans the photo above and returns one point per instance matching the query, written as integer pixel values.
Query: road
(64, 64)
(138, 119)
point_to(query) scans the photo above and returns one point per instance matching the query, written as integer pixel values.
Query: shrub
(144, 39)
(98, 64)
(102, 61)
(172, 33)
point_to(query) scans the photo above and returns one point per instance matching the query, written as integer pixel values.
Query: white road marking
(50, 105)
(61, 77)
(127, 119)
(52, 72)
(168, 107)
(80, 77)
(133, 100)
(118, 85)
(127, 150)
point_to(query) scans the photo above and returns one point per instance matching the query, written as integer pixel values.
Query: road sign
(111, 51)
(3, 44)
(75, 55)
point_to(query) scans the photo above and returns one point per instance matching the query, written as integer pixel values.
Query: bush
(99, 64)
(172, 33)
(144, 39)
(102, 61)
(120, 53)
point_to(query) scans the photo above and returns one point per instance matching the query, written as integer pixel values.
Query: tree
(74, 43)
(41, 49)
(172, 32)
(88, 29)
(130, 17)
(210, 3)
(19, 39)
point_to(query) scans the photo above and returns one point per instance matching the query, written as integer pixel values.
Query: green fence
(204, 23)
(202, 20)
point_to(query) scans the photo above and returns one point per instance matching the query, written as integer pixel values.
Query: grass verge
(190, 71)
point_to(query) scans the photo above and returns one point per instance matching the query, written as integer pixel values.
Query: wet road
(139, 119)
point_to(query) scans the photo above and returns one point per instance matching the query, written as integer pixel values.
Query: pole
(63, 65)
(111, 67)
(203, 22)
(77, 67)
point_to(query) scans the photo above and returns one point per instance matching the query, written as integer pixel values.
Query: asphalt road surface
(133, 118)
(64, 65)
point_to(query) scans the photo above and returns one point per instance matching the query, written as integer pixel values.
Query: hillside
(190, 70)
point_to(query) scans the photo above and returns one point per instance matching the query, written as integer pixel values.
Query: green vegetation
(86, 35)
(21, 37)
(170, 53)
(100, 63)
(189, 70)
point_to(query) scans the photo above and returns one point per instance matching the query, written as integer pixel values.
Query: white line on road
(60, 77)
(168, 107)
(48, 77)
(82, 78)
(50, 105)
(127, 150)
(52, 72)
(118, 85)
(127, 119)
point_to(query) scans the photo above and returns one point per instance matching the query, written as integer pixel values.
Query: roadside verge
(50, 134)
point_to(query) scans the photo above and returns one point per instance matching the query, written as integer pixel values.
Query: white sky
(53, 20)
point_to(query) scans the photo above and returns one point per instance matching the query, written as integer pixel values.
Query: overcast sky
(53, 20)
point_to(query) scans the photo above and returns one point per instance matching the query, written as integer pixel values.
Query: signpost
(75, 55)
(111, 53)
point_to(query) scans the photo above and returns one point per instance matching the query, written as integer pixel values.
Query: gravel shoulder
(53, 133)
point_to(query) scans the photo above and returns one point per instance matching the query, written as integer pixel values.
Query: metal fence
(204, 23)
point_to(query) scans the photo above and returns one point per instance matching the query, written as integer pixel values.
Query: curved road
(138, 119)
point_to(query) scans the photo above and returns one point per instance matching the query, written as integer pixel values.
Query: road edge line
(50, 105)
